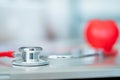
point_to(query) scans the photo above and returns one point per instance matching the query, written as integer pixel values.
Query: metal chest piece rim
(29, 57)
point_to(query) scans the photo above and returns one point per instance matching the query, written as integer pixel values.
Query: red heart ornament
(102, 35)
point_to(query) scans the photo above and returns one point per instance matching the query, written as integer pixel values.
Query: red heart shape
(102, 34)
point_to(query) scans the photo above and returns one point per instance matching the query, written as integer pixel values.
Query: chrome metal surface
(30, 56)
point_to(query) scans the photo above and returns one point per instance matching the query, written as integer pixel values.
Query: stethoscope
(32, 57)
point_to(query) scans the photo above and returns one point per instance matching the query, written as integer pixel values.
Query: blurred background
(55, 25)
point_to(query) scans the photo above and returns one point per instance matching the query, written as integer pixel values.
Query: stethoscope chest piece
(29, 57)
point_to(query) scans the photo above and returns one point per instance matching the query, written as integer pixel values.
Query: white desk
(72, 70)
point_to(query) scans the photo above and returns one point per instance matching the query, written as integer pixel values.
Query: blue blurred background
(55, 25)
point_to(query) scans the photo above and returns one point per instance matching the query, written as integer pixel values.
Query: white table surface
(73, 69)
(61, 69)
